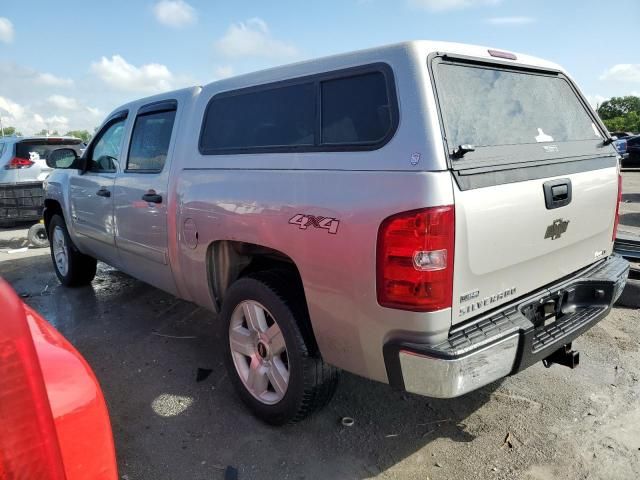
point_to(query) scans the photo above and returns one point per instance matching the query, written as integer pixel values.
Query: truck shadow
(169, 422)
(631, 197)
(630, 219)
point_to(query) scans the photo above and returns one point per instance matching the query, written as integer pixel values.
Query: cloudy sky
(66, 64)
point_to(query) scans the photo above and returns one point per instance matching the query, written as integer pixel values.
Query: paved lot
(630, 208)
(146, 347)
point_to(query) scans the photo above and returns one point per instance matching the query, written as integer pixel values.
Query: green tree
(10, 131)
(621, 114)
(83, 135)
(615, 124)
(619, 107)
(626, 123)
(44, 132)
(633, 122)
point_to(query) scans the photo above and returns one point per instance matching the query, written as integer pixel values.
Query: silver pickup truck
(430, 215)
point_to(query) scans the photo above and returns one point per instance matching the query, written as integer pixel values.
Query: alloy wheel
(259, 352)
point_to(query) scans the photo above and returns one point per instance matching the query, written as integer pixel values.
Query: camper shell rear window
(511, 114)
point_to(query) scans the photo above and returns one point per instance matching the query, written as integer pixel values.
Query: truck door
(141, 196)
(92, 192)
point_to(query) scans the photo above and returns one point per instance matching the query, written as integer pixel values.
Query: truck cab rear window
(487, 107)
(326, 112)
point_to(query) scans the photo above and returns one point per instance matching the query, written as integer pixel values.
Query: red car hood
(77, 404)
(54, 422)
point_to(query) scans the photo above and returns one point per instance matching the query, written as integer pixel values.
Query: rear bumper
(506, 341)
(22, 201)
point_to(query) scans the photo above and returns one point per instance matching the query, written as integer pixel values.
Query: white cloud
(11, 109)
(623, 72)
(510, 20)
(596, 100)
(6, 30)
(31, 98)
(29, 119)
(58, 123)
(96, 112)
(28, 122)
(37, 123)
(10, 71)
(174, 13)
(119, 74)
(252, 38)
(53, 81)
(442, 5)
(223, 71)
(62, 102)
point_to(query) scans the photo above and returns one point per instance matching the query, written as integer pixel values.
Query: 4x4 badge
(556, 229)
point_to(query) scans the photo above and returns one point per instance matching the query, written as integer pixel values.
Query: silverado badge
(556, 229)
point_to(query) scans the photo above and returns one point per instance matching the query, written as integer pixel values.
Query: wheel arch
(229, 260)
(51, 208)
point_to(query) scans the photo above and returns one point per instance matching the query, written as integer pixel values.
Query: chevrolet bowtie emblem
(556, 229)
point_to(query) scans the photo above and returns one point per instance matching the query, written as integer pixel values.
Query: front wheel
(270, 362)
(72, 267)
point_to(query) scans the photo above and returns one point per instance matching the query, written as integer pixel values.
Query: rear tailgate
(535, 192)
(508, 243)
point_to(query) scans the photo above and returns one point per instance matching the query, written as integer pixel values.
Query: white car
(24, 159)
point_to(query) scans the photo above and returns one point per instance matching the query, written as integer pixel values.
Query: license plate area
(546, 311)
(564, 302)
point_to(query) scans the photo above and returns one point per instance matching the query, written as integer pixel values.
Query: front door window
(105, 154)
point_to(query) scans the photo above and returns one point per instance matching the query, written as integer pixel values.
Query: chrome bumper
(506, 341)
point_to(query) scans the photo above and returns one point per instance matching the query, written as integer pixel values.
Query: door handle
(103, 192)
(560, 192)
(557, 193)
(152, 197)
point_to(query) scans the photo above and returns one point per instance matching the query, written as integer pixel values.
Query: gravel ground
(146, 348)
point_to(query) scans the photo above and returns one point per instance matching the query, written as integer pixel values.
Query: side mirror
(62, 158)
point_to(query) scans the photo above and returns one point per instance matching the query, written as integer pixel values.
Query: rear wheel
(272, 365)
(72, 267)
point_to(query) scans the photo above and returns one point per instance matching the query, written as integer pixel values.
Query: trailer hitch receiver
(563, 356)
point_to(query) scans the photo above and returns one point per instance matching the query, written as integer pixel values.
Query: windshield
(487, 107)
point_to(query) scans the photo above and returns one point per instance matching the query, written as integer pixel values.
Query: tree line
(83, 135)
(621, 114)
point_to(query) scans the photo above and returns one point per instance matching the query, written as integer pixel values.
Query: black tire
(312, 382)
(37, 236)
(81, 268)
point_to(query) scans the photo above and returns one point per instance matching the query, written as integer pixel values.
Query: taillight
(28, 442)
(617, 218)
(415, 259)
(17, 162)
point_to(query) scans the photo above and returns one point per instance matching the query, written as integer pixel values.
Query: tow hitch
(564, 356)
